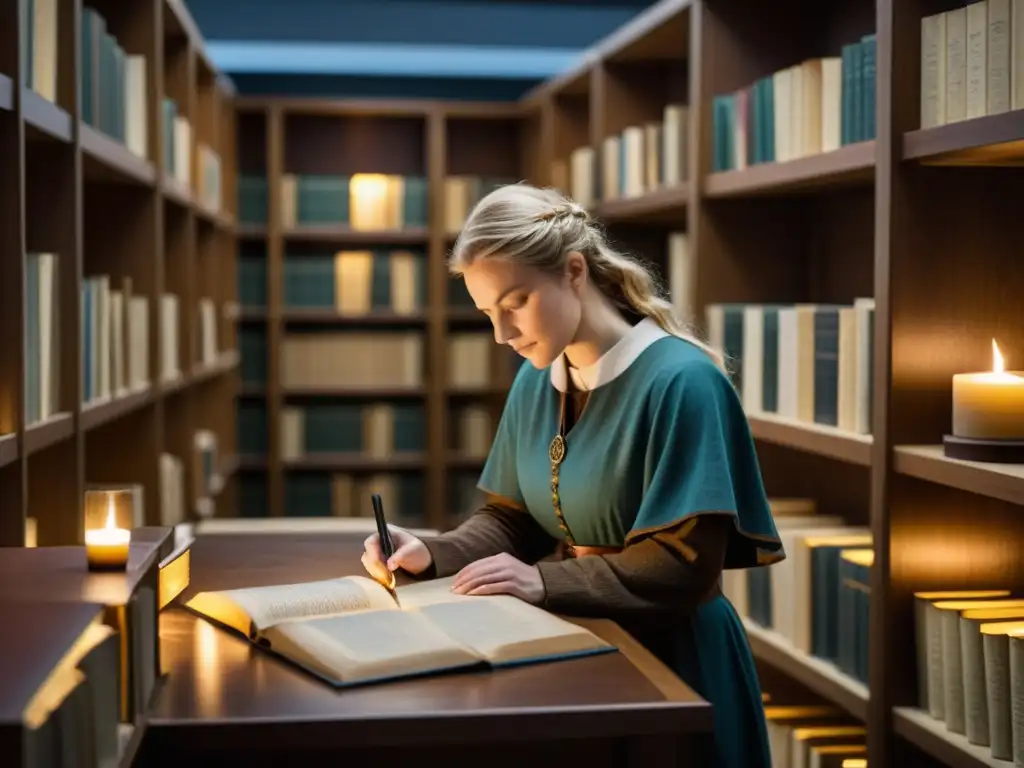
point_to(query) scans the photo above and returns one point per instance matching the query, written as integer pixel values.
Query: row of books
(808, 362)
(972, 61)
(814, 736)
(371, 360)
(462, 193)
(970, 657)
(642, 159)
(115, 339)
(341, 494)
(38, 47)
(113, 85)
(353, 283)
(375, 430)
(365, 202)
(817, 598)
(815, 106)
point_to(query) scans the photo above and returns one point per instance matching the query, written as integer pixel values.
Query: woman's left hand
(500, 574)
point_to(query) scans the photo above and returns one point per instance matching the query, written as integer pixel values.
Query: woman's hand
(500, 574)
(410, 554)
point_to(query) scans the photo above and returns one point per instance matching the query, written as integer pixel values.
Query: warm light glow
(107, 547)
(855, 762)
(998, 364)
(109, 533)
(369, 187)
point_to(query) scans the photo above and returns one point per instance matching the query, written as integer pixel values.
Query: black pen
(387, 546)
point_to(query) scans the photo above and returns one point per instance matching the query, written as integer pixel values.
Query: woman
(623, 446)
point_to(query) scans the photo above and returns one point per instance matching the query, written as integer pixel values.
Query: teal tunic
(663, 441)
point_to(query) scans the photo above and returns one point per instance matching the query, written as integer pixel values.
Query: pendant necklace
(556, 453)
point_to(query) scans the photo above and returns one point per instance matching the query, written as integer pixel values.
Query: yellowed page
(374, 645)
(424, 593)
(502, 628)
(266, 606)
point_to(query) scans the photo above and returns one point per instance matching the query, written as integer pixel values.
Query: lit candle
(106, 548)
(989, 405)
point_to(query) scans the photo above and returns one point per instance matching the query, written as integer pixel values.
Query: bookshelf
(96, 230)
(323, 277)
(876, 201)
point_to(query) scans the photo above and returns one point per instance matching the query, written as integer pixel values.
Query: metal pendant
(556, 451)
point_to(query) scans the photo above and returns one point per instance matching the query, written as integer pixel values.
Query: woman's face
(534, 312)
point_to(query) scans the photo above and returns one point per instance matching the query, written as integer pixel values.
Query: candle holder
(109, 514)
(988, 415)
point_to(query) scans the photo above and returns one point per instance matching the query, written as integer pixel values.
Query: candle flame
(111, 523)
(998, 364)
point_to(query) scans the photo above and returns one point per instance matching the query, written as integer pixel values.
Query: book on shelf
(354, 283)
(813, 736)
(972, 62)
(967, 676)
(351, 630)
(815, 106)
(42, 337)
(816, 599)
(811, 363)
(366, 202)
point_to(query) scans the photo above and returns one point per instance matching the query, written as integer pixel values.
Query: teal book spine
(869, 86)
(826, 366)
(33, 356)
(380, 282)
(770, 361)
(307, 494)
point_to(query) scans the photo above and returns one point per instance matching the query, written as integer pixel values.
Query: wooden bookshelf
(280, 143)
(922, 220)
(96, 196)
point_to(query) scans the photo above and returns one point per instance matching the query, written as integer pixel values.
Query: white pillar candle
(989, 405)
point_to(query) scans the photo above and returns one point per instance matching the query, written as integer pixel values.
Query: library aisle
(236, 309)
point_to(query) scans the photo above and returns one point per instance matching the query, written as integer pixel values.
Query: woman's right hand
(410, 554)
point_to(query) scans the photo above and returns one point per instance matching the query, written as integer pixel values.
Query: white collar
(612, 363)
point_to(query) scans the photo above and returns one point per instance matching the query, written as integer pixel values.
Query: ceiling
(289, 45)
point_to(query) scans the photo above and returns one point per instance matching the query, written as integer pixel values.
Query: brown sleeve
(498, 526)
(669, 571)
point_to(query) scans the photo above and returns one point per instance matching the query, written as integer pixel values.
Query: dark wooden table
(223, 699)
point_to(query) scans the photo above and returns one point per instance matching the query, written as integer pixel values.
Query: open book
(351, 630)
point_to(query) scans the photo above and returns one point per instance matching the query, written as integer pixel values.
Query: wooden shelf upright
(88, 249)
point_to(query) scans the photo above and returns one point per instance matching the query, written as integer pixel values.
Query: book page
(424, 593)
(375, 645)
(502, 628)
(264, 607)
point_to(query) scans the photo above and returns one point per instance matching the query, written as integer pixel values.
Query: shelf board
(466, 315)
(331, 317)
(252, 462)
(6, 93)
(356, 462)
(109, 159)
(930, 735)
(850, 447)
(462, 461)
(229, 465)
(177, 192)
(344, 234)
(8, 448)
(98, 413)
(253, 390)
(203, 372)
(850, 165)
(667, 205)
(363, 393)
(990, 140)
(927, 462)
(251, 231)
(43, 434)
(816, 674)
(45, 116)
